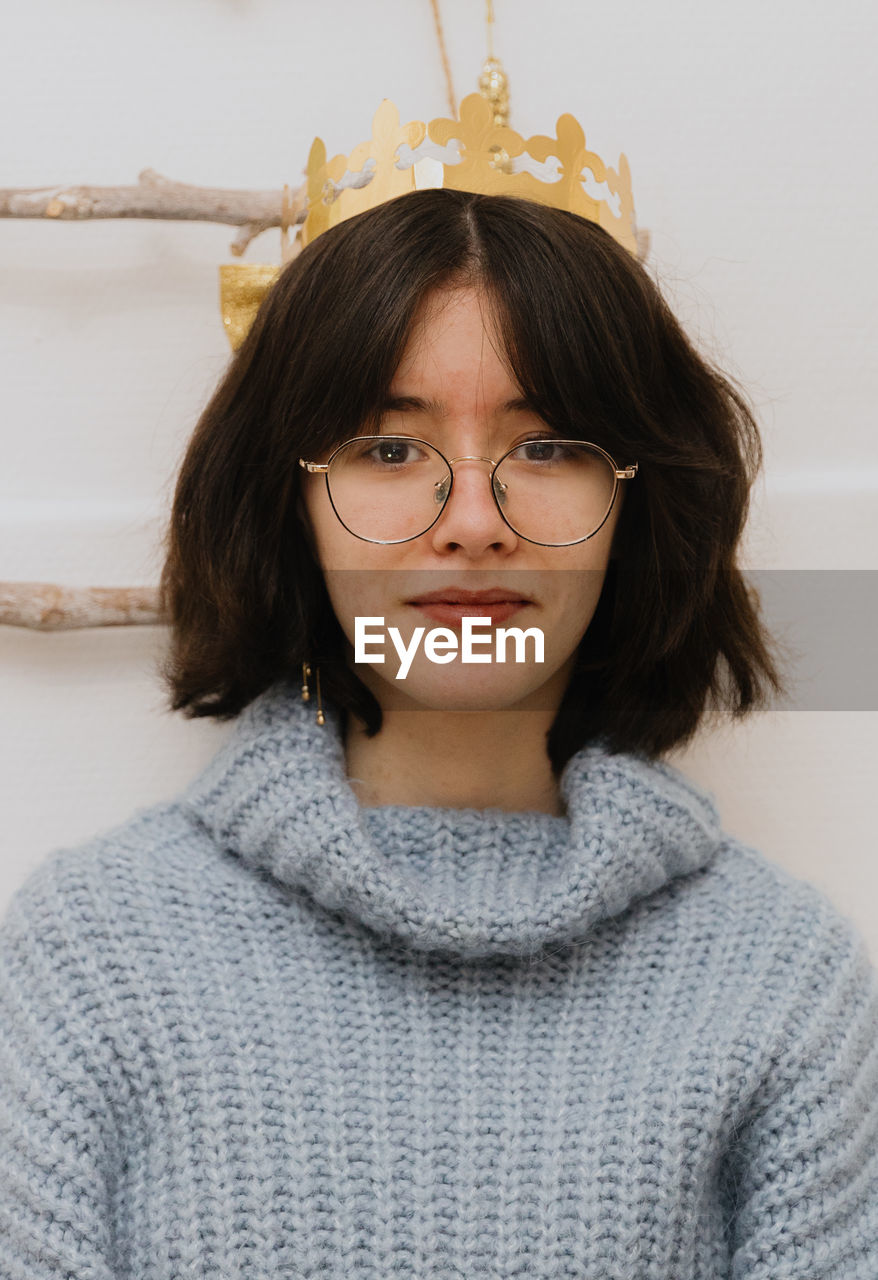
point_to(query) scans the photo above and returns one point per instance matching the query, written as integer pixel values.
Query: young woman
(444, 971)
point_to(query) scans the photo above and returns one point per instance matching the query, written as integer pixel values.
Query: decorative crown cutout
(488, 155)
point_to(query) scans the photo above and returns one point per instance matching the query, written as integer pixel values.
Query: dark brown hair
(676, 636)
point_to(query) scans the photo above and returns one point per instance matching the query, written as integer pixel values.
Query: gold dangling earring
(321, 719)
(306, 692)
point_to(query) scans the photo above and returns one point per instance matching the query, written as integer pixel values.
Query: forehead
(453, 351)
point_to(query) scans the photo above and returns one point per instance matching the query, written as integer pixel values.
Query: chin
(461, 691)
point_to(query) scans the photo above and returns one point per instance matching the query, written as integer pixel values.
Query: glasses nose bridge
(443, 489)
(471, 457)
(474, 457)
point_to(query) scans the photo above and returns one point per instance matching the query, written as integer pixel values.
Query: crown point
(475, 104)
(568, 127)
(387, 111)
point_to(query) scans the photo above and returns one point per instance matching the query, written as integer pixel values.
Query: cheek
(576, 593)
(363, 585)
(355, 572)
(353, 594)
(591, 586)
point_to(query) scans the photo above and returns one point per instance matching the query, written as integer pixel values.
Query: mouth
(452, 605)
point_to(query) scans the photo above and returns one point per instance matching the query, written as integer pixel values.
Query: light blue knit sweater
(260, 1031)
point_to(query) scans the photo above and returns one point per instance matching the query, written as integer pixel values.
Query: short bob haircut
(676, 636)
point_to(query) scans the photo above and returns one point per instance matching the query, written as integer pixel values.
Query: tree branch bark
(159, 197)
(42, 606)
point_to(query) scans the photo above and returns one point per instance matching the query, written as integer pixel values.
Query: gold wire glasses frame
(442, 489)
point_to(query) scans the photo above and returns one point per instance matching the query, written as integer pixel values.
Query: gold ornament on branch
(493, 81)
(494, 87)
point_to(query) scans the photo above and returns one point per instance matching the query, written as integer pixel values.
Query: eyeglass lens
(388, 488)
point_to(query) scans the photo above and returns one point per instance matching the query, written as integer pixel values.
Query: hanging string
(286, 251)
(444, 55)
(493, 81)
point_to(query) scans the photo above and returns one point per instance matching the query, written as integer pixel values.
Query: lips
(451, 605)
(456, 595)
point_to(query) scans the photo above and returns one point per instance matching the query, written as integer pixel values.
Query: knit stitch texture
(261, 1031)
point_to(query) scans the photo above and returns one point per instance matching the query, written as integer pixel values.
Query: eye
(393, 452)
(543, 449)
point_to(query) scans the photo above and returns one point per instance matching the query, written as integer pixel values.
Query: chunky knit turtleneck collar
(475, 882)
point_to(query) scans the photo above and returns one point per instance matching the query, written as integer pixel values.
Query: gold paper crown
(490, 161)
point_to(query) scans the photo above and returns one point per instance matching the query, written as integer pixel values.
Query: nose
(470, 518)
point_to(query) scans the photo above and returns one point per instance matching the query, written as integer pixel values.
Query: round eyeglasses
(391, 489)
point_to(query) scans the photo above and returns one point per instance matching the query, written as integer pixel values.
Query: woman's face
(451, 365)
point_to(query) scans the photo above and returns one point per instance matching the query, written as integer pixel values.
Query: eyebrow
(518, 404)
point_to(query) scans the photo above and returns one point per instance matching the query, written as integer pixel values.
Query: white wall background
(749, 131)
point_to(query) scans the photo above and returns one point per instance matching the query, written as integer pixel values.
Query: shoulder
(99, 932)
(748, 889)
(782, 904)
(743, 933)
(92, 888)
(783, 937)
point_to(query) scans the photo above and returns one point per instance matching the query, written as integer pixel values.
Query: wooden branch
(158, 197)
(41, 606)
